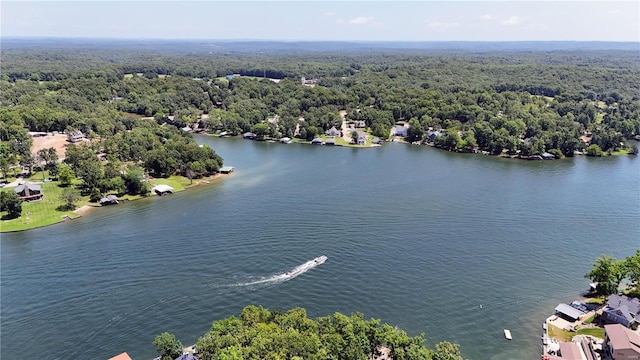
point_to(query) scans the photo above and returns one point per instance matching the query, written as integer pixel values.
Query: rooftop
(569, 311)
(123, 356)
(622, 338)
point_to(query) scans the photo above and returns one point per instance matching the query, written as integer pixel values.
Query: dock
(507, 334)
(226, 169)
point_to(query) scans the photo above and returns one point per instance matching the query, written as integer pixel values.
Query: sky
(452, 20)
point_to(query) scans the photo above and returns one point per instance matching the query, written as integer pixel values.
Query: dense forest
(138, 106)
(262, 334)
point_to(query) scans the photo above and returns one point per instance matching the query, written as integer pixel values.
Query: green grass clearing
(563, 335)
(44, 212)
(41, 212)
(596, 332)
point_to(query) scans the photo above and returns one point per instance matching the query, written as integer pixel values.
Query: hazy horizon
(349, 21)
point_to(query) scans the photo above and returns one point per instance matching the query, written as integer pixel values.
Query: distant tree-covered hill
(516, 98)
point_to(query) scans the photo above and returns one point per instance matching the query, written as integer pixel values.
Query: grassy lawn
(178, 183)
(559, 334)
(596, 300)
(563, 335)
(342, 141)
(42, 212)
(597, 332)
(619, 152)
(590, 320)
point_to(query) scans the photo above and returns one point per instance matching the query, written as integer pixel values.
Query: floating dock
(507, 334)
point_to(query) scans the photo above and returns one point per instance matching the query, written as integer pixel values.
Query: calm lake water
(415, 236)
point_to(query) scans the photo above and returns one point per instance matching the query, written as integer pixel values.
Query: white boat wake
(297, 271)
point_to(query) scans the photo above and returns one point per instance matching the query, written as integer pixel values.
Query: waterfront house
(285, 140)
(333, 131)
(28, 191)
(432, 136)
(330, 141)
(622, 310)
(548, 156)
(109, 200)
(570, 351)
(249, 135)
(362, 137)
(316, 141)
(621, 343)
(75, 136)
(401, 130)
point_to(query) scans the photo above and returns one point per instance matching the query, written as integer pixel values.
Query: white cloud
(486, 17)
(360, 20)
(614, 12)
(442, 25)
(511, 20)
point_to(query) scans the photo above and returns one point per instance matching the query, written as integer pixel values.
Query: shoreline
(87, 209)
(402, 141)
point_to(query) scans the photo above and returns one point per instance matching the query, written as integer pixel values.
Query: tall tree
(65, 174)
(70, 195)
(631, 266)
(11, 203)
(607, 273)
(168, 346)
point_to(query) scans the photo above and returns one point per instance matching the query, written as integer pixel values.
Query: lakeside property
(593, 329)
(49, 208)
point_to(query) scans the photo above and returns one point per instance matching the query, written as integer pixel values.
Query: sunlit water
(458, 247)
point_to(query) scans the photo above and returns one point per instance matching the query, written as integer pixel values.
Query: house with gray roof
(75, 136)
(622, 310)
(401, 130)
(333, 131)
(29, 191)
(362, 137)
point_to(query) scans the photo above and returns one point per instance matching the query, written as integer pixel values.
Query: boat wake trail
(279, 278)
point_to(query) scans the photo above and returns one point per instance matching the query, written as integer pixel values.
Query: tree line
(515, 102)
(262, 334)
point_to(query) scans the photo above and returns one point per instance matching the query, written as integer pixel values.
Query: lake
(455, 246)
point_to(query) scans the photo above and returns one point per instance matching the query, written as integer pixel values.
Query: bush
(556, 152)
(594, 150)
